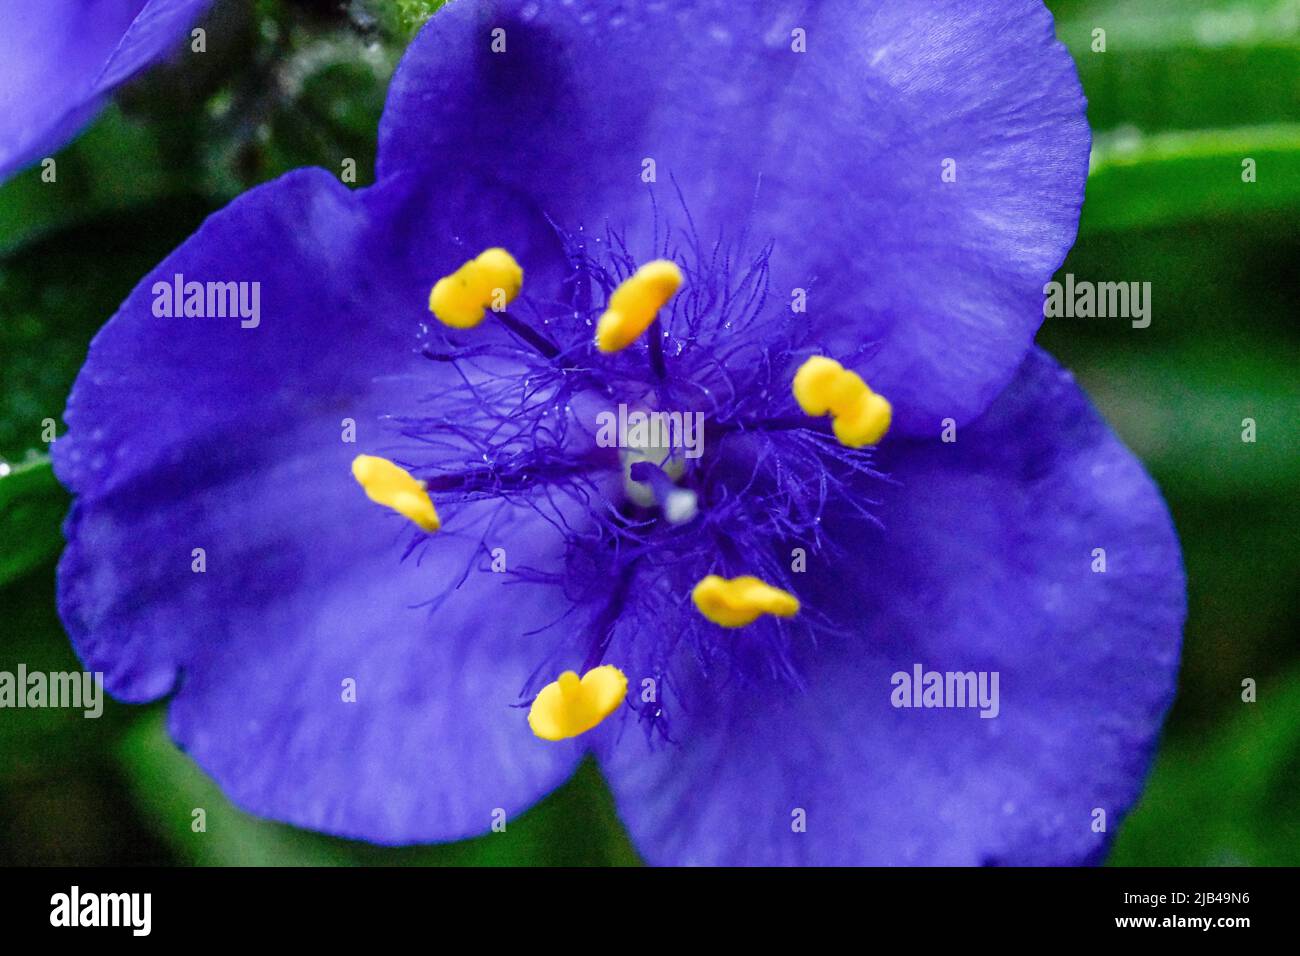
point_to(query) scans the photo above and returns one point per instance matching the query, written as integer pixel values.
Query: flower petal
(59, 58)
(151, 36)
(194, 432)
(986, 563)
(837, 154)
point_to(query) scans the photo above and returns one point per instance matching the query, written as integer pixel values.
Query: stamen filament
(656, 342)
(530, 335)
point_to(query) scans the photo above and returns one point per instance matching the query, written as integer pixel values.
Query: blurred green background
(1184, 91)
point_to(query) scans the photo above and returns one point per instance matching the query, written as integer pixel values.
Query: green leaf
(32, 506)
(1219, 349)
(114, 165)
(37, 738)
(574, 826)
(61, 801)
(1225, 797)
(1141, 181)
(56, 293)
(403, 17)
(323, 110)
(1195, 442)
(1183, 92)
(1186, 64)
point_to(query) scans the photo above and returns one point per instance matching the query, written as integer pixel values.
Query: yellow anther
(491, 280)
(571, 706)
(822, 386)
(635, 303)
(821, 383)
(741, 601)
(863, 423)
(394, 487)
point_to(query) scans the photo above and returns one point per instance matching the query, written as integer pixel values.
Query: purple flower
(868, 195)
(59, 59)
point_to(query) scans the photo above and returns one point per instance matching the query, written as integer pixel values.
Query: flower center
(533, 408)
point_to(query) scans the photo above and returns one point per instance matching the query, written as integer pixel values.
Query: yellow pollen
(570, 706)
(741, 601)
(491, 280)
(394, 487)
(635, 303)
(822, 386)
